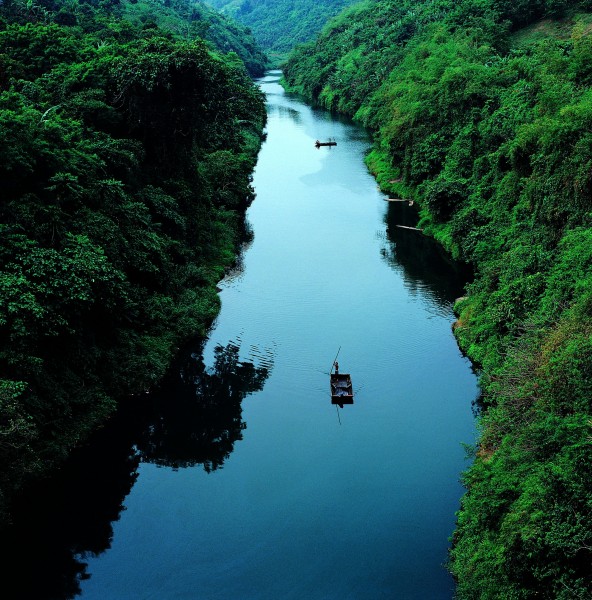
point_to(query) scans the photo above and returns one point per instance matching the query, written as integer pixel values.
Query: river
(244, 481)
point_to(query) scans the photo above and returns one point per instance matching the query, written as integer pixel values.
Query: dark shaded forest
(127, 143)
(482, 114)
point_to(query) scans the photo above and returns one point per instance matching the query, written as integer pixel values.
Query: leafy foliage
(278, 25)
(114, 233)
(191, 18)
(482, 115)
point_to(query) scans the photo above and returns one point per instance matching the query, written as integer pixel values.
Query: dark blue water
(245, 481)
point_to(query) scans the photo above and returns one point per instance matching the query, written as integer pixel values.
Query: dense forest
(128, 133)
(482, 113)
(278, 25)
(127, 144)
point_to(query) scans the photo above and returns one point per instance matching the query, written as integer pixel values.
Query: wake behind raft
(342, 391)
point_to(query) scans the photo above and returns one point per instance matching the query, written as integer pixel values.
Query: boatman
(336, 367)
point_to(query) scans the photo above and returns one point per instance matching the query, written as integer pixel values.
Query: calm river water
(244, 481)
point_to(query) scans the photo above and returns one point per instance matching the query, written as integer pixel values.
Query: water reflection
(287, 112)
(314, 266)
(425, 266)
(195, 418)
(67, 518)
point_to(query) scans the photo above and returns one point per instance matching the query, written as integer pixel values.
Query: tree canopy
(114, 227)
(278, 25)
(481, 112)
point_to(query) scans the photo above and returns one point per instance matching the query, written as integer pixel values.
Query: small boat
(329, 143)
(341, 389)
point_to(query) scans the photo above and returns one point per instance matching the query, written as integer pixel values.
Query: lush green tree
(278, 25)
(481, 113)
(114, 232)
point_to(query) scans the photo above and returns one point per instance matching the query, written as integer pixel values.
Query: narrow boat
(341, 389)
(329, 143)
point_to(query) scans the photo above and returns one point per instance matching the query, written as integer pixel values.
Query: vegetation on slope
(483, 115)
(279, 25)
(191, 18)
(125, 159)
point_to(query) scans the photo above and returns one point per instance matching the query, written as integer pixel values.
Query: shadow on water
(197, 414)
(68, 515)
(423, 262)
(195, 418)
(288, 113)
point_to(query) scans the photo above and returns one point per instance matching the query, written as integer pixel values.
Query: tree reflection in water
(66, 517)
(198, 415)
(424, 264)
(195, 418)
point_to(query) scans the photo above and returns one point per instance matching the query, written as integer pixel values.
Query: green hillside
(190, 18)
(483, 116)
(126, 151)
(279, 25)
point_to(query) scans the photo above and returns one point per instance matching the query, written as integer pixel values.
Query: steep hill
(125, 159)
(483, 115)
(279, 25)
(190, 18)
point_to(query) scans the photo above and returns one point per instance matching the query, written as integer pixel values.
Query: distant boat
(329, 143)
(341, 389)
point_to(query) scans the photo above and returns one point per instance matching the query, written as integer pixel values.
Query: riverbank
(240, 470)
(124, 197)
(486, 129)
